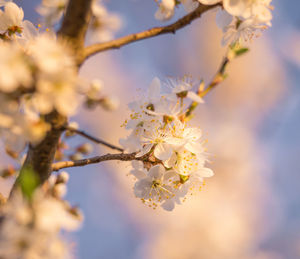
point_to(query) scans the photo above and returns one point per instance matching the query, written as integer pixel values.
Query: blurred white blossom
(52, 10)
(31, 228)
(103, 24)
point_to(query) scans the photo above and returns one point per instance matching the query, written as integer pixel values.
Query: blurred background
(250, 209)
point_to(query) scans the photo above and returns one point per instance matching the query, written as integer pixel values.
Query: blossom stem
(218, 78)
(92, 138)
(172, 28)
(98, 159)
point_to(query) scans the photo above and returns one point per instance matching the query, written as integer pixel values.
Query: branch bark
(172, 28)
(98, 159)
(94, 139)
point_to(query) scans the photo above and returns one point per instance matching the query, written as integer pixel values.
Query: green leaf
(241, 51)
(28, 181)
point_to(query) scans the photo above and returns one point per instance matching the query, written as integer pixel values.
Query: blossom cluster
(30, 228)
(32, 84)
(240, 20)
(171, 156)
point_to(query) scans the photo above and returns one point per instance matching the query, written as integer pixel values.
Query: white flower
(257, 9)
(181, 88)
(241, 31)
(156, 186)
(31, 229)
(56, 86)
(159, 140)
(142, 108)
(29, 32)
(12, 17)
(52, 10)
(138, 170)
(103, 24)
(187, 163)
(187, 137)
(165, 10)
(15, 69)
(50, 55)
(53, 216)
(132, 142)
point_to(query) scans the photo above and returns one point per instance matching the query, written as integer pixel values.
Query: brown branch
(94, 139)
(98, 159)
(172, 28)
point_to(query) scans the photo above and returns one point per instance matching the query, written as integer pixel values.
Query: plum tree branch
(218, 78)
(92, 138)
(172, 28)
(98, 159)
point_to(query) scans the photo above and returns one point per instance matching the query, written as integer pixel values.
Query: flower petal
(163, 151)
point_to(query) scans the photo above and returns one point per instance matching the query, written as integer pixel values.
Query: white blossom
(56, 80)
(156, 186)
(182, 89)
(250, 17)
(165, 10)
(52, 10)
(175, 151)
(30, 229)
(15, 68)
(103, 24)
(12, 17)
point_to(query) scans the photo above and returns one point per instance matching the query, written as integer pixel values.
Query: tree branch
(172, 28)
(97, 159)
(218, 78)
(94, 139)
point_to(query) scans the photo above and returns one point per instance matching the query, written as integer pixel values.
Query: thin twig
(97, 159)
(218, 78)
(172, 28)
(94, 139)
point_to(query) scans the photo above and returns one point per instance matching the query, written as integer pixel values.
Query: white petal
(168, 205)
(223, 19)
(235, 7)
(154, 90)
(206, 172)
(171, 161)
(142, 187)
(29, 30)
(138, 174)
(163, 151)
(146, 149)
(156, 171)
(193, 96)
(138, 165)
